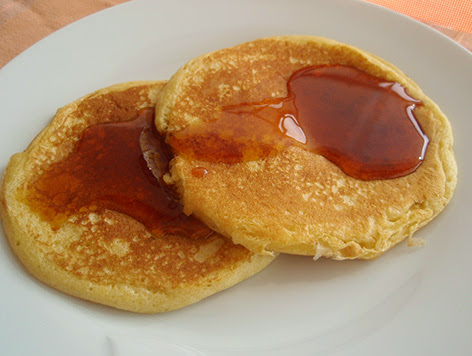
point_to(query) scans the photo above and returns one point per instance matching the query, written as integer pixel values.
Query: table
(23, 23)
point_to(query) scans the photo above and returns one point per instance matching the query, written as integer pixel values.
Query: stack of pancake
(149, 196)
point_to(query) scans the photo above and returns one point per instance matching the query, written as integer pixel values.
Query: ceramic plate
(411, 301)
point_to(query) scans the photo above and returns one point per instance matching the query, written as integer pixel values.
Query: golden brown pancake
(104, 255)
(296, 200)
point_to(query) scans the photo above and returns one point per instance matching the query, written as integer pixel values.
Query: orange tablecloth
(24, 22)
(451, 14)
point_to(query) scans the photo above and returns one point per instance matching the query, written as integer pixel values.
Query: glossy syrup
(365, 125)
(107, 170)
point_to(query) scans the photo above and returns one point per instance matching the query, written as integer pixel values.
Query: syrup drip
(199, 172)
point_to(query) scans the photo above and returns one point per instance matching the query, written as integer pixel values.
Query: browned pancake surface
(106, 256)
(298, 201)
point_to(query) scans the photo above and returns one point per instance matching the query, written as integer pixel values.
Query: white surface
(410, 301)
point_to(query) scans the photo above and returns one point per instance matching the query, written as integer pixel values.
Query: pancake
(295, 200)
(103, 254)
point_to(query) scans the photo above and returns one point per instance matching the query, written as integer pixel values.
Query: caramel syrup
(365, 125)
(199, 172)
(107, 171)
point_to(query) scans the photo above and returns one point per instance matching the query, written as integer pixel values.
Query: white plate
(412, 301)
